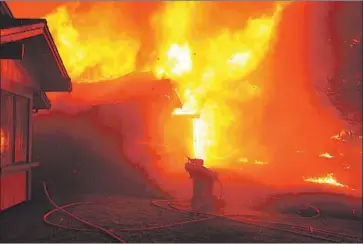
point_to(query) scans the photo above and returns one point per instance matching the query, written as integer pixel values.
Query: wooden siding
(13, 189)
(15, 79)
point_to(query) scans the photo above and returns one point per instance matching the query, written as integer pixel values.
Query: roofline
(18, 33)
(41, 101)
(36, 28)
(6, 8)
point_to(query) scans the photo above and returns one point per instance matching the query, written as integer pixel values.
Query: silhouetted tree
(345, 88)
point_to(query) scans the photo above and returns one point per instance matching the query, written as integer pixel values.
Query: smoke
(320, 51)
(67, 105)
(326, 59)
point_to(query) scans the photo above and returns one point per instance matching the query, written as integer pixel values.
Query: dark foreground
(25, 223)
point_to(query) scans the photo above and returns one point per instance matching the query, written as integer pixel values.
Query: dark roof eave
(55, 52)
(41, 101)
(19, 29)
(4, 6)
(67, 88)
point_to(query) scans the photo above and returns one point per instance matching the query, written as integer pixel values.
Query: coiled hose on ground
(319, 234)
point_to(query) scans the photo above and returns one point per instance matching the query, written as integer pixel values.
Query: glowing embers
(258, 162)
(326, 155)
(329, 179)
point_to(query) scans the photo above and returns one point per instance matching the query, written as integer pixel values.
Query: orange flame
(258, 162)
(228, 56)
(341, 136)
(326, 155)
(87, 54)
(2, 141)
(337, 137)
(203, 66)
(329, 179)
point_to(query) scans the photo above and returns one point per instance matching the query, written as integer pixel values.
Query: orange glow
(260, 162)
(329, 179)
(242, 71)
(2, 141)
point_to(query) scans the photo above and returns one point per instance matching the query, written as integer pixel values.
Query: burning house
(236, 80)
(30, 67)
(139, 108)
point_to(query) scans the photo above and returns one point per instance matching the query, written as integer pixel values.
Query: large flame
(209, 68)
(329, 179)
(91, 55)
(205, 67)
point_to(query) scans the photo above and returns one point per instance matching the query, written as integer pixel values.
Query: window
(21, 128)
(6, 128)
(14, 129)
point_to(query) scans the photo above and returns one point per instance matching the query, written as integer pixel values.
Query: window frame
(27, 127)
(11, 139)
(14, 130)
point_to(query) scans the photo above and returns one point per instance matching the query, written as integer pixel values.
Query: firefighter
(203, 180)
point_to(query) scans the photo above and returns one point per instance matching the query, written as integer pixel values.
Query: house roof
(132, 85)
(41, 101)
(41, 57)
(40, 52)
(136, 85)
(5, 11)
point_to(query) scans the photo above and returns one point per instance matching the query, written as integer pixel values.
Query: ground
(129, 212)
(120, 211)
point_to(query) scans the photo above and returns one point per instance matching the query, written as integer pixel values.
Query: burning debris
(258, 162)
(346, 136)
(329, 179)
(337, 137)
(326, 155)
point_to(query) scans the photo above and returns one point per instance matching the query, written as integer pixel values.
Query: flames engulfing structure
(224, 59)
(211, 65)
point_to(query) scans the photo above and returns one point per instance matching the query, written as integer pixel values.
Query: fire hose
(319, 234)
